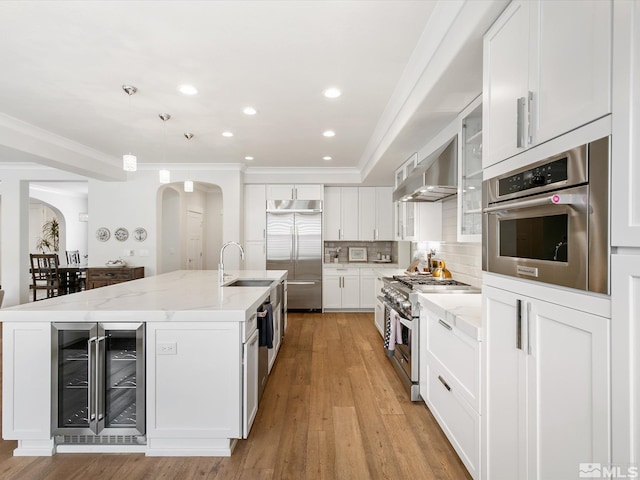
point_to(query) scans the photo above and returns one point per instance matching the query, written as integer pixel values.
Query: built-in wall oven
(98, 383)
(548, 221)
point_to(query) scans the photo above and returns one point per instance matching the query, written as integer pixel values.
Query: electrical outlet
(128, 253)
(166, 348)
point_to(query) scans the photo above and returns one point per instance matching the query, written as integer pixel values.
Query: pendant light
(129, 161)
(188, 184)
(164, 175)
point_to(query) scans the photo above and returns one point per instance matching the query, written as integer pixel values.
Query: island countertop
(183, 295)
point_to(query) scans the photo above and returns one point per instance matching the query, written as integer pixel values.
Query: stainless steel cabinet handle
(100, 383)
(519, 324)
(444, 383)
(91, 382)
(521, 108)
(529, 122)
(445, 324)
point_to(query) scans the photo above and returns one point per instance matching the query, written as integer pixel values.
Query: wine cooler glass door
(121, 376)
(75, 387)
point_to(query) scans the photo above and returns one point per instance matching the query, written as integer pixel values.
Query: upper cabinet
(255, 218)
(375, 205)
(470, 174)
(547, 70)
(341, 213)
(294, 192)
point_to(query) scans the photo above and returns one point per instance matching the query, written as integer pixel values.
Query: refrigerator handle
(91, 394)
(297, 243)
(291, 244)
(100, 383)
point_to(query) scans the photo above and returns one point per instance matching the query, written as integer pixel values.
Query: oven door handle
(555, 199)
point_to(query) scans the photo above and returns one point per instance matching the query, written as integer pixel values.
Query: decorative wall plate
(103, 234)
(140, 234)
(121, 234)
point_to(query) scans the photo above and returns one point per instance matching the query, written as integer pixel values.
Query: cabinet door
(250, 383)
(350, 292)
(367, 218)
(410, 231)
(570, 77)
(568, 385)
(505, 80)
(331, 213)
(384, 213)
(367, 289)
(349, 213)
(331, 291)
(308, 192)
(255, 256)
(503, 406)
(254, 213)
(280, 192)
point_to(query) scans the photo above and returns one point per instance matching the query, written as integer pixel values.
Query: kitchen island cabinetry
(545, 366)
(540, 82)
(104, 276)
(201, 363)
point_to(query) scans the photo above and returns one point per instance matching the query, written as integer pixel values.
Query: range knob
(406, 305)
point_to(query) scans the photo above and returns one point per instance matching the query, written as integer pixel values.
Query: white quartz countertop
(464, 310)
(183, 295)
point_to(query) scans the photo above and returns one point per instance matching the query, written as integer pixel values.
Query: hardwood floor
(333, 408)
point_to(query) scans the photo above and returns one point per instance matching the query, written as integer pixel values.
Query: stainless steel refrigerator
(294, 243)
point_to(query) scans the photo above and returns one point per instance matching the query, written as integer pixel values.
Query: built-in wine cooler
(98, 382)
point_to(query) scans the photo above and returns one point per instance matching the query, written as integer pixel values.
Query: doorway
(194, 240)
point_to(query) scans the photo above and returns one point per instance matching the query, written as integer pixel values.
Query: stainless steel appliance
(294, 243)
(549, 220)
(399, 294)
(98, 383)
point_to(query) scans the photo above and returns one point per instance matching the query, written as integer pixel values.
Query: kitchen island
(200, 363)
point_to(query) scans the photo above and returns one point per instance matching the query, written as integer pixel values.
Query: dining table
(70, 278)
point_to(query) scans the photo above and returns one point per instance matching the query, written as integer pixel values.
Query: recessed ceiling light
(248, 158)
(249, 111)
(187, 89)
(329, 133)
(227, 134)
(332, 92)
(326, 158)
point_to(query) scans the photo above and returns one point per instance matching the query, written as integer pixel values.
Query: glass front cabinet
(98, 379)
(470, 175)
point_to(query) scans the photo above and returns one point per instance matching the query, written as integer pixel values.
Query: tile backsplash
(373, 248)
(464, 260)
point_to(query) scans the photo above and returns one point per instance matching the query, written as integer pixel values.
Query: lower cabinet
(341, 288)
(450, 384)
(546, 372)
(367, 288)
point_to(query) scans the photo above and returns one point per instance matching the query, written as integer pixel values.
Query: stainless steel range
(400, 297)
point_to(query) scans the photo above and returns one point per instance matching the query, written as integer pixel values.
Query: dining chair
(44, 274)
(79, 282)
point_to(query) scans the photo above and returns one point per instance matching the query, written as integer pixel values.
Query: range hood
(438, 179)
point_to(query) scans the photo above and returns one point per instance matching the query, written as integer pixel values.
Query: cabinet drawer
(460, 423)
(459, 356)
(109, 275)
(342, 272)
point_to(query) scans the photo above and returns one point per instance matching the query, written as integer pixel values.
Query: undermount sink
(248, 282)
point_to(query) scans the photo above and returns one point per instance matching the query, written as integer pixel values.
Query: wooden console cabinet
(101, 277)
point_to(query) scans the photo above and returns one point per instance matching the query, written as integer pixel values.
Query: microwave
(549, 221)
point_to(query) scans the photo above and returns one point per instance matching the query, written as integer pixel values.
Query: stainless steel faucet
(221, 264)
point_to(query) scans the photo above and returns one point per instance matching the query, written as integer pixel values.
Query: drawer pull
(445, 324)
(444, 383)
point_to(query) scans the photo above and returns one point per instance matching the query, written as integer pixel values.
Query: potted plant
(50, 240)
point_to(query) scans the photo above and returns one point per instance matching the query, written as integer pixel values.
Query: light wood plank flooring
(333, 409)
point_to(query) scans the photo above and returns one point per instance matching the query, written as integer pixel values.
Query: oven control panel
(552, 172)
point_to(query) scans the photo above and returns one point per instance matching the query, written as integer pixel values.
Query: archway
(181, 244)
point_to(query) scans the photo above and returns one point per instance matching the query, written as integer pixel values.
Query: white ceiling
(64, 63)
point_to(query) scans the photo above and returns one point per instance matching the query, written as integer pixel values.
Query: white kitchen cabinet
(419, 221)
(255, 218)
(450, 383)
(250, 383)
(625, 176)
(340, 216)
(367, 288)
(547, 68)
(294, 192)
(26, 387)
(546, 372)
(341, 288)
(470, 174)
(375, 205)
